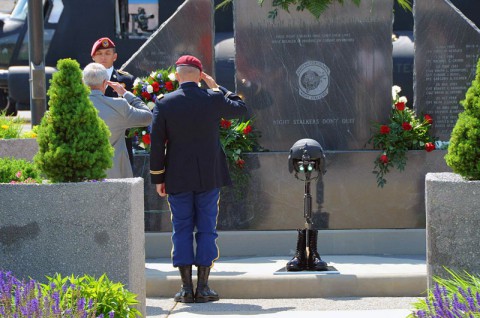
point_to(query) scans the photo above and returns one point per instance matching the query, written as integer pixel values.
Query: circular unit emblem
(313, 80)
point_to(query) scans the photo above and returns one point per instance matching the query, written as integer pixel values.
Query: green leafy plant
(72, 138)
(18, 171)
(237, 137)
(107, 295)
(463, 154)
(315, 7)
(457, 296)
(11, 127)
(403, 132)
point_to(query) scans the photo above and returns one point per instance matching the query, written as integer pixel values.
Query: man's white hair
(94, 74)
(186, 70)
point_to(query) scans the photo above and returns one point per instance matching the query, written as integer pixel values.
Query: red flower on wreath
(428, 118)
(146, 95)
(383, 159)
(384, 129)
(146, 139)
(406, 126)
(247, 130)
(156, 86)
(240, 163)
(225, 123)
(429, 146)
(169, 86)
(400, 106)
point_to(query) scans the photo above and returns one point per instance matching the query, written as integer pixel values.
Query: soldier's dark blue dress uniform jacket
(186, 152)
(123, 78)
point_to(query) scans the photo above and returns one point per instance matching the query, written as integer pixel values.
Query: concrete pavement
(256, 286)
(371, 307)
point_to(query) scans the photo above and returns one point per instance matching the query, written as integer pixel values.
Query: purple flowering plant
(20, 298)
(458, 296)
(65, 297)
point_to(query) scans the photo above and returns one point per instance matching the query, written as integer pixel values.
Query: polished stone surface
(325, 79)
(347, 197)
(452, 225)
(447, 48)
(188, 31)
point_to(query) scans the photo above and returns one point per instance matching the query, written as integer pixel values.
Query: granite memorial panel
(325, 79)
(175, 38)
(346, 198)
(447, 47)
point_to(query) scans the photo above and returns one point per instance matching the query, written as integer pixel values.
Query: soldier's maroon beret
(189, 60)
(102, 43)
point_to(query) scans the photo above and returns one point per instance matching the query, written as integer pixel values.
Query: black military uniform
(187, 156)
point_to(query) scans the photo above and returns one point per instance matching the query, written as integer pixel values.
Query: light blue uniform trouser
(192, 210)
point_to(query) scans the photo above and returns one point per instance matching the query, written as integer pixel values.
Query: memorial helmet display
(306, 155)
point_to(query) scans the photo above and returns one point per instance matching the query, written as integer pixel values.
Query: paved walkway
(371, 307)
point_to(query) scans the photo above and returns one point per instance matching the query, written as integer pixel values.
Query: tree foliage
(464, 149)
(73, 140)
(315, 7)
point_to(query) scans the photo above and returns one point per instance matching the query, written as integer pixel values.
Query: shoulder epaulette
(160, 96)
(123, 72)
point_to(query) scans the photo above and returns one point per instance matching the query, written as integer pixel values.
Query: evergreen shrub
(464, 149)
(72, 138)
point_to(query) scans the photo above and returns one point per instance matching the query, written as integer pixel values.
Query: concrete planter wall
(75, 228)
(19, 148)
(453, 222)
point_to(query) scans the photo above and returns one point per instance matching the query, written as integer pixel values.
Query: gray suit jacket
(120, 114)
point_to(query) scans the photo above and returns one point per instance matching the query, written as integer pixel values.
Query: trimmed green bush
(72, 138)
(464, 149)
(18, 170)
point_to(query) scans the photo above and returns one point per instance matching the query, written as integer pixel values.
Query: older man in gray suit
(119, 113)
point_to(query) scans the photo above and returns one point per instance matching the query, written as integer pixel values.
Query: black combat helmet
(306, 155)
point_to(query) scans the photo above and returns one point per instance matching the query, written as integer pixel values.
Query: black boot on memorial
(203, 293)
(299, 260)
(315, 263)
(185, 295)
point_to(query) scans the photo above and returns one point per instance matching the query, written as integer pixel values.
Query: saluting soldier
(104, 52)
(187, 162)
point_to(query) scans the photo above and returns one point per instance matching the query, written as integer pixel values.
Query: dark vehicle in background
(70, 29)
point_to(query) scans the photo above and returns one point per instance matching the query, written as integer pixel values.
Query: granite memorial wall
(447, 48)
(325, 79)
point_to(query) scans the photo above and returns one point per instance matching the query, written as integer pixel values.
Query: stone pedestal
(75, 228)
(453, 221)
